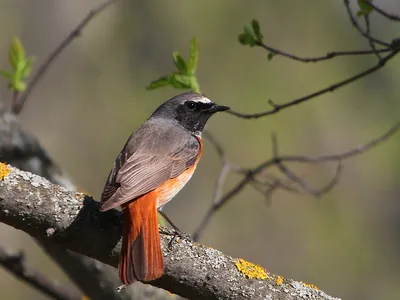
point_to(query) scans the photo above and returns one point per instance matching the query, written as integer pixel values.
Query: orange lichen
(310, 285)
(80, 189)
(250, 270)
(279, 280)
(80, 195)
(4, 171)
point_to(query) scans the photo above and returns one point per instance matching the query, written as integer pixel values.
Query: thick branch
(56, 215)
(21, 149)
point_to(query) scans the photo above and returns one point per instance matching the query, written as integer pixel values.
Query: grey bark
(21, 149)
(54, 214)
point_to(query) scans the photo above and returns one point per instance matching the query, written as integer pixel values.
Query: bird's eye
(191, 105)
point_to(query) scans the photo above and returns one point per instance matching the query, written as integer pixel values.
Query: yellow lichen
(250, 270)
(80, 195)
(4, 171)
(279, 280)
(310, 285)
(85, 298)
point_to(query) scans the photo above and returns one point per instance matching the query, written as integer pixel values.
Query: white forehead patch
(204, 100)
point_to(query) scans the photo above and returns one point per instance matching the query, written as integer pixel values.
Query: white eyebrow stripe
(204, 100)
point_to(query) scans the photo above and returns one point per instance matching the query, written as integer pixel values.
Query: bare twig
(15, 264)
(278, 107)
(217, 145)
(370, 41)
(383, 12)
(327, 56)
(20, 101)
(358, 27)
(297, 179)
(299, 159)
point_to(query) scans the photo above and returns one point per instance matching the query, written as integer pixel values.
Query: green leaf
(365, 8)
(247, 37)
(194, 85)
(27, 67)
(6, 74)
(256, 29)
(271, 55)
(160, 82)
(17, 53)
(180, 81)
(193, 56)
(17, 86)
(179, 62)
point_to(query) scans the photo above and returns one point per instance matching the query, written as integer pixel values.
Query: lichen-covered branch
(21, 149)
(54, 214)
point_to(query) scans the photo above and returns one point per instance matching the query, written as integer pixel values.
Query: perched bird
(156, 162)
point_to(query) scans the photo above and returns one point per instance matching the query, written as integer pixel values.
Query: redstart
(156, 162)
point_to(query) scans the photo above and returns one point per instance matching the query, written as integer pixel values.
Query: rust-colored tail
(141, 255)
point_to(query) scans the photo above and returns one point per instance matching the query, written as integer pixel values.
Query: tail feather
(141, 255)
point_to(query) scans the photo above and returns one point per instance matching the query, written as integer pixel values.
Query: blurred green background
(347, 243)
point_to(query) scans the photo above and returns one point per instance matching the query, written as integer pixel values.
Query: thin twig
(297, 179)
(278, 107)
(370, 41)
(216, 144)
(383, 13)
(333, 182)
(18, 105)
(15, 263)
(300, 159)
(360, 30)
(327, 56)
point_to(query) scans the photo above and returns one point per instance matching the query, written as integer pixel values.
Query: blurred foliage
(365, 8)
(93, 97)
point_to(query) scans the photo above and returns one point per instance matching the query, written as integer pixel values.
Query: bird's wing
(158, 155)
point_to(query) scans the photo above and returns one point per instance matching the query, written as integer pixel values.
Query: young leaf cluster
(365, 8)
(184, 77)
(251, 36)
(21, 67)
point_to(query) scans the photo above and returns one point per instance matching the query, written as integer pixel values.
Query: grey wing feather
(149, 165)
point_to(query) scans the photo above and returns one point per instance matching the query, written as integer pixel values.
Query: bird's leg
(177, 231)
(168, 220)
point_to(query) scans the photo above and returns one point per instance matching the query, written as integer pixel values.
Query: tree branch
(15, 263)
(278, 107)
(22, 149)
(19, 102)
(358, 27)
(72, 220)
(327, 56)
(276, 160)
(384, 13)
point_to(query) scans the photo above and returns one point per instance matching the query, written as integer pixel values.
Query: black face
(193, 115)
(191, 110)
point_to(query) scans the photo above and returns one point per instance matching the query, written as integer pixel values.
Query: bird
(157, 161)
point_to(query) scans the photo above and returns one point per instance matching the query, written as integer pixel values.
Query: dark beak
(216, 108)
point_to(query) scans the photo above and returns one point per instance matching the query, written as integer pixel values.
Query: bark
(54, 214)
(21, 149)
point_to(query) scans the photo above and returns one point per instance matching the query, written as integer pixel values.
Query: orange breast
(170, 188)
